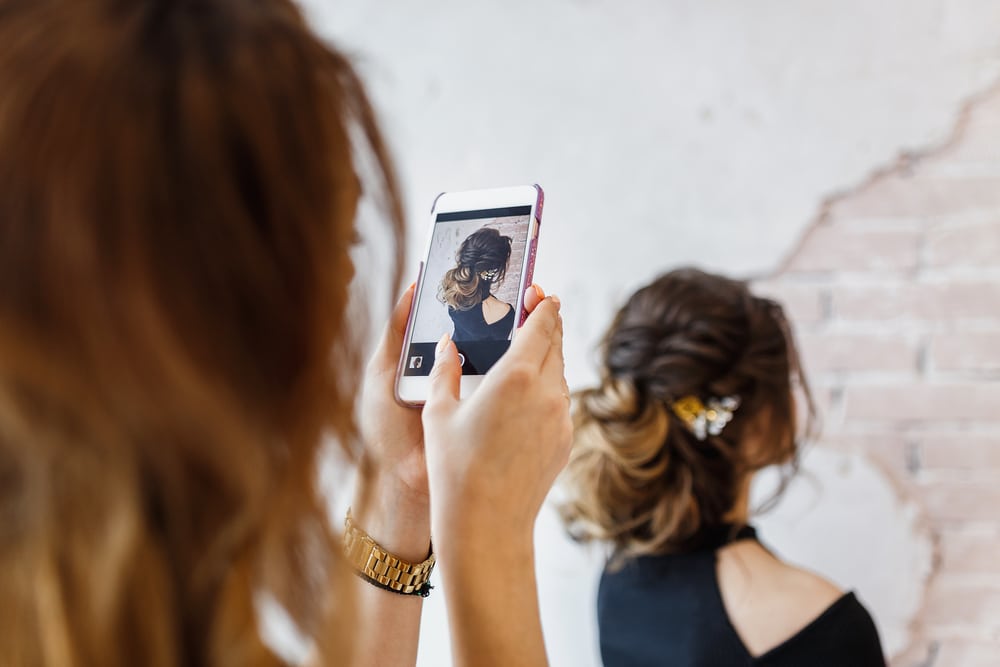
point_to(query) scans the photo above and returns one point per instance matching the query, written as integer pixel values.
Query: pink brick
(834, 352)
(981, 138)
(955, 300)
(959, 452)
(966, 245)
(824, 401)
(833, 248)
(949, 502)
(952, 199)
(896, 196)
(955, 605)
(925, 402)
(803, 304)
(957, 352)
(968, 653)
(889, 450)
(977, 554)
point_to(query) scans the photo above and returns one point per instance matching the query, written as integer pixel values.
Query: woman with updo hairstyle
(697, 394)
(467, 289)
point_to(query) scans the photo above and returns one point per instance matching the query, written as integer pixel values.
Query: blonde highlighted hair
(638, 477)
(177, 200)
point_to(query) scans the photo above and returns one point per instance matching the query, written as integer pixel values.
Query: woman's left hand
(393, 434)
(391, 502)
(393, 484)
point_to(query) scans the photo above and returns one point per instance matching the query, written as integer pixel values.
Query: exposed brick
(960, 452)
(889, 449)
(803, 304)
(965, 245)
(825, 400)
(914, 197)
(831, 247)
(920, 301)
(894, 267)
(835, 352)
(968, 653)
(507, 291)
(953, 605)
(982, 125)
(954, 352)
(973, 554)
(925, 402)
(948, 502)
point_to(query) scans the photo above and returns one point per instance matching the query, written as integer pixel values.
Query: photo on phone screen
(470, 288)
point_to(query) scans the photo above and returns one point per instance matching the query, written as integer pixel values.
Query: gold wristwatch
(381, 568)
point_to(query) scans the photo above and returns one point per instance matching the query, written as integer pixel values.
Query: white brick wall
(895, 295)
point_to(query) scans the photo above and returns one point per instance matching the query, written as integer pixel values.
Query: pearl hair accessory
(489, 275)
(705, 419)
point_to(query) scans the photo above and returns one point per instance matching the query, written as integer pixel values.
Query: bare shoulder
(494, 309)
(769, 601)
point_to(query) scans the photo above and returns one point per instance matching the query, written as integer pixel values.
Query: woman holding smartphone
(697, 394)
(178, 186)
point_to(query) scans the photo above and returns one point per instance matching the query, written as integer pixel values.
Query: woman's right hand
(493, 456)
(491, 460)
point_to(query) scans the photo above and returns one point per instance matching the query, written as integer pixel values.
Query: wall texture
(895, 293)
(711, 133)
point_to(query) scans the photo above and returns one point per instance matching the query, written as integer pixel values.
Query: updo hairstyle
(639, 477)
(481, 263)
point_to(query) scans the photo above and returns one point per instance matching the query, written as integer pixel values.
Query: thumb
(446, 376)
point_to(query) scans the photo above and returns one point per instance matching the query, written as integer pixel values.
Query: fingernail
(539, 292)
(442, 345)
(556, 300)
(412, 285)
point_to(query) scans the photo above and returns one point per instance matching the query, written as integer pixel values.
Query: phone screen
(471, 288)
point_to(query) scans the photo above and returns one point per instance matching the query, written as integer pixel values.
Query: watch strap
(381, 568)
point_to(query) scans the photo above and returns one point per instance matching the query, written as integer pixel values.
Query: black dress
(470, 325)
(668, 610)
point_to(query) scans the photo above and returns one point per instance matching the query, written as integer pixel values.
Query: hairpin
(490, 275)
(704, 420)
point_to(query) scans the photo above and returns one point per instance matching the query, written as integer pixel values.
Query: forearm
(387, 623)
(492, 604)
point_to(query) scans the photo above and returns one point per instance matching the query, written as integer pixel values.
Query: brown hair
(484, 250)
(639, 477)
(177, 197)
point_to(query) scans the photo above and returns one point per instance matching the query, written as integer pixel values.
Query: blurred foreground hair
(638, 476)
(177, 202)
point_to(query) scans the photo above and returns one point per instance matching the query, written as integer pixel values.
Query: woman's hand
(392, 433)
(394, 471)
(392, 503)
(493, 456)
(491, 461)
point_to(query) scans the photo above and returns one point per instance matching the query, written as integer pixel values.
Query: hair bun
(614, 400)
(651, 480)
(628, 429)
(658, 363)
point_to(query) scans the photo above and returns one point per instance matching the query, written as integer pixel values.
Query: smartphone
(479, 260)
